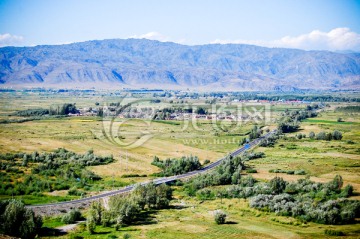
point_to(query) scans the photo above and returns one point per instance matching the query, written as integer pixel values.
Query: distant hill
(135, 63)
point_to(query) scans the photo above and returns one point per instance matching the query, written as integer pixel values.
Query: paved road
(159, 180)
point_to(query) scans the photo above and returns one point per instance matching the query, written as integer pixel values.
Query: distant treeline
(349, 109)
(64, 109)
(271, 96)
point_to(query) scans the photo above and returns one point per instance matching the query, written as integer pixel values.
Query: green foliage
(255, 133)
(277, 185)
(177, 166)
(90, 224)
(251, 170)
(205, 194)
(335, 135)
(64, 109)
(125, 209)
(290, 121)
(331, 232)
(247, 156)
(347, 191)
(32, 112)
(219, 217)
(71, 217)
(50, 171)
(16, 220)
(200, 111)
(349, 109)
(227, 172)
(126, 236)
(269, 142)
(95, 212)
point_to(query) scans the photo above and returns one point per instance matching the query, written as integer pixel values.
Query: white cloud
(10, 40)
(157, 36)
(338, 39)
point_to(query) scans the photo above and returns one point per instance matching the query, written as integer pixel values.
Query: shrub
(277, 185)
(90, 224)
(219, 217)
(311, 135)
(347, 191)
(300, 172)
(336, 135)
(330, 232)
(71, 217)
(205, 194)
(126, 236)
(251, 170)
(321, 136)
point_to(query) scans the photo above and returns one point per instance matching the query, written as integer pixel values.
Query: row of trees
(174, 166)
(124, 210)
(335, 135)
(229, 171)
(63, 109)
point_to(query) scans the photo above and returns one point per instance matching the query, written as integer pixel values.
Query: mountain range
(142, 63)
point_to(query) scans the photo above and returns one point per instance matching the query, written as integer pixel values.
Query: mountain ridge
(139, 63)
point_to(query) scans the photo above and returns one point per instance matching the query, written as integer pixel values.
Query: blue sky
(306, 24)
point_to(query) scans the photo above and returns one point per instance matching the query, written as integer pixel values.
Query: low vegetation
(175, 166)
(57, 170)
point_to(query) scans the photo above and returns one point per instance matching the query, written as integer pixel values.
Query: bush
(300, 172)
(126, 236)
(251, 170)
(336, 135)
(219, 217)
(277, 185)
(90, 224)
(330, 232)
(205, 194)
(321, 136)
(311, 135)
(71, 217)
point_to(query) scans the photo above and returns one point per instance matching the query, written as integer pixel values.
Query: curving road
(159, 180)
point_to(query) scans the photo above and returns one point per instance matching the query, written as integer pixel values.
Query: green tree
(277, 185)
(337, 135)
(219, 217)
(18, 221)
(90, 224)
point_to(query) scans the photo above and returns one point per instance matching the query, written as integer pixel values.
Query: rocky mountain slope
(135, 63)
